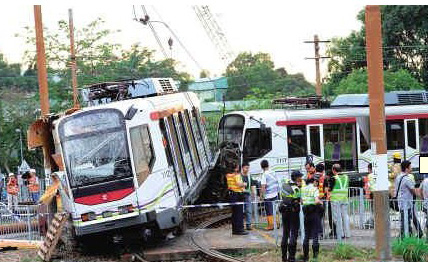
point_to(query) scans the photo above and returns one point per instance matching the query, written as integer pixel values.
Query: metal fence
(20, 223)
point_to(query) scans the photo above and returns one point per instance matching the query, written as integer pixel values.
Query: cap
(32, 170)
(11, 174)
(396, 155)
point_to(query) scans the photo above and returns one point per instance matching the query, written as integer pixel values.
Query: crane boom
(215, 33)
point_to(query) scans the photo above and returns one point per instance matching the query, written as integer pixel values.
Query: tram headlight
(126, 209)
(88, 216)
(107, 214)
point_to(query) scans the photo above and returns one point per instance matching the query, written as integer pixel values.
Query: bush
(346, 251)
(411, 249)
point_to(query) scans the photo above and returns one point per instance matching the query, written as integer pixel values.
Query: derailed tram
(129, 160)
(288, 138)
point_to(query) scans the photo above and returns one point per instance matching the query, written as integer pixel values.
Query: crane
(215, 33)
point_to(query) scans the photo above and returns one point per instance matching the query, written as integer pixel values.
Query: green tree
(405, 34)
(356, 82)
(254, 76)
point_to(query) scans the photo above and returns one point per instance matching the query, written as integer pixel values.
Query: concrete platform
(221, 239)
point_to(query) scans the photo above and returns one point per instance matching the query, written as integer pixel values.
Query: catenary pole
(377, 130)
(73, 64)
(41, 62)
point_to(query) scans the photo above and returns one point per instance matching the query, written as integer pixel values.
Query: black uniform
(290, 209)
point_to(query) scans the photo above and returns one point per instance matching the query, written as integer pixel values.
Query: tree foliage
(98, 60)
(356, 82)
(405, 35)
(254, 76)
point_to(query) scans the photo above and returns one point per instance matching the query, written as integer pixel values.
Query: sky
(277, 28)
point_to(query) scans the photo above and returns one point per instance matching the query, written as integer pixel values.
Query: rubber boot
(270, 223)
(306, 252)
(291, 253)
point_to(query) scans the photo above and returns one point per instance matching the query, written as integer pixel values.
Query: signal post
(377, 130)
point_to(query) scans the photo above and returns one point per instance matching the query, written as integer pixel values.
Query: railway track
(209, 254)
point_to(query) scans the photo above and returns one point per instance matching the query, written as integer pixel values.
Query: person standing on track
(290, 209)
(269, 191)
(236, 194)
(246, 178)
(312, 207)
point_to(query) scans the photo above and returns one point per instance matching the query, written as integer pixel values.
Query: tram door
(411, 140)
(315, 143)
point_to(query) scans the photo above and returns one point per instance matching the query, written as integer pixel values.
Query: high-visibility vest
(340, 189)
(12, 187)
(33, 186)
(231, 183)
(308, 195)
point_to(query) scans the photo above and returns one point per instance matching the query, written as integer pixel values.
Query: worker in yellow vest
(312, 207)
(394, 171)
(236, 194)
(339, 202)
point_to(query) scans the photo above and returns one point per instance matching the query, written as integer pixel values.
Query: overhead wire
(155, 34)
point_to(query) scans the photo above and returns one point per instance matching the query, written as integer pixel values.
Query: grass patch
(346, 251)
(411, 249)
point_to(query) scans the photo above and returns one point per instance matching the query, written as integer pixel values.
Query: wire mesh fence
(22, 222)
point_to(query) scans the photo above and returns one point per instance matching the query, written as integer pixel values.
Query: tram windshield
(94, 146)
(230, 129)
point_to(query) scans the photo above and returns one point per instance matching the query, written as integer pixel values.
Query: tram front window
(230, 129)
(95, 148)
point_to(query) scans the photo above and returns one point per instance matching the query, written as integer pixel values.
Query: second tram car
(130, 161)
(287, 138)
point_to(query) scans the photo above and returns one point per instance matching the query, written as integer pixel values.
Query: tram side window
(142, 151)
(165, 142)
(364, 145)
(183, 134)
(257, 142)
(423, 136)
(411, 134)
(395, 134)
(297, 141)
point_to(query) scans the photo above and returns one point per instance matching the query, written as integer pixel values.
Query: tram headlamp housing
(126, 209)
(88, 216)
(107, 214)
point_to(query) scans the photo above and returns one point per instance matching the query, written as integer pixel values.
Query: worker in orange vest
(319, 180)
(34, 186)
(12, 190)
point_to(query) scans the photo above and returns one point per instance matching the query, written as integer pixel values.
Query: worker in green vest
(339, 202)
(312, 208)
(290, 209)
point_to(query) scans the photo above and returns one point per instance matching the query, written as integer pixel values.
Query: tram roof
(333, 113)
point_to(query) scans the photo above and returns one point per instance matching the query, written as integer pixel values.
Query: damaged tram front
(131, 159)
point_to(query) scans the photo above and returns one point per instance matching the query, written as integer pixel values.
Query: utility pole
(41, 62)
(377, 130)
(43, 82)
(317, 62)
(73, 64)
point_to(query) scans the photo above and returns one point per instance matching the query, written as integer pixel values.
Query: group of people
(12, 188)
(403, 188)
(311, 195)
